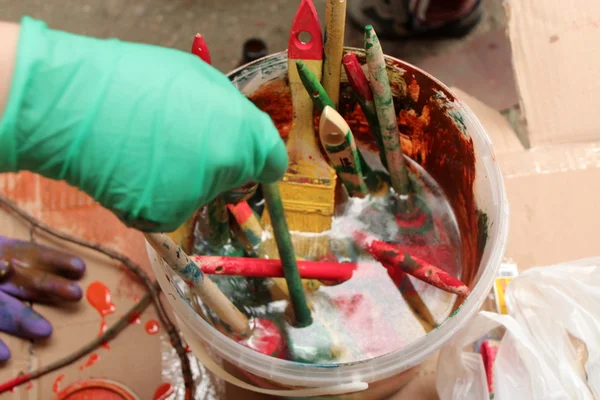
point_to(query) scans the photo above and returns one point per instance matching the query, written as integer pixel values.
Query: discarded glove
(32, 272)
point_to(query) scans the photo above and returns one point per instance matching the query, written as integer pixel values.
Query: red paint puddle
(152, 327)
(56, 384)
(99, 297)
(91, 361)
(163, 391)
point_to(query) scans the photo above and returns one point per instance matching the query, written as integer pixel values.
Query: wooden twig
(174, 336)
(110, 334)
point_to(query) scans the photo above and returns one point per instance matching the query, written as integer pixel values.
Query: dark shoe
(401, 19)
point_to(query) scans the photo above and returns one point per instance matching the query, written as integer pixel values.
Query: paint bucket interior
(441, 136)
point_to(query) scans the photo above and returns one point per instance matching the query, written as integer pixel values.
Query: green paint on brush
(286, 254)
(386, 114)
(313, 87)
(309, 345)
(218, 222)
(368, 108)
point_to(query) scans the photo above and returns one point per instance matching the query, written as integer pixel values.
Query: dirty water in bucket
(377, 311)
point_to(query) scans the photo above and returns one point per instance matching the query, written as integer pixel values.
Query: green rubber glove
(150, 133)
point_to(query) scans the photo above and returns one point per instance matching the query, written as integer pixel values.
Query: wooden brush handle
(335, 17)
(200, 284)
(302, 143)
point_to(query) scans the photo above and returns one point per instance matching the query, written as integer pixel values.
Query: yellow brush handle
(335, 17)
(302, 145)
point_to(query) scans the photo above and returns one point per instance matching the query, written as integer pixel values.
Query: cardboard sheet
(556, 68)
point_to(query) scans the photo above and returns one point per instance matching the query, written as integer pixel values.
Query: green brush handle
(287, 254)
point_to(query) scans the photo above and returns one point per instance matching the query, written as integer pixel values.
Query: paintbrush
(364, 95)
(413, 299)
(262, 268)
(286, 254)
(335, 23)
(259, 334)
(199, 284)
(308, 187)
(377, 182)
(386, 114)
(308, 340)
(254, 233)
(339, 145)
(391, 257)
(219, 235)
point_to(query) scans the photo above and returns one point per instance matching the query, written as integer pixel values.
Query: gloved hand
(34, 273)
(150, 133)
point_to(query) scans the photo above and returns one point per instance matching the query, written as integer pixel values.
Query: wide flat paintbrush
(308, 187)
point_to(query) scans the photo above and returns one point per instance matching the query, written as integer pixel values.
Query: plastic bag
(551, 345)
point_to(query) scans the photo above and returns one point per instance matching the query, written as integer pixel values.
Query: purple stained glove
(33, 272)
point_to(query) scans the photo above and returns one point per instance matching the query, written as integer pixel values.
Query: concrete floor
(173, 23)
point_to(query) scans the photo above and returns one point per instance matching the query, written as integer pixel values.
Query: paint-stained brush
(286, 254)
(335, 23)
(199, 284)
(364, 95)
(219, 236)
(255, 235)
(386, 114)
(339, 145)
(391, 257)
(308, 187)
(308, 340)
(376, 181)
(262, 268)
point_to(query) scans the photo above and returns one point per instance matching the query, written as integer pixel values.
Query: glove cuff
(30, 29)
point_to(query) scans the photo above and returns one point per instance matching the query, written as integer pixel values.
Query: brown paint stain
(554, 38)
(428, 136)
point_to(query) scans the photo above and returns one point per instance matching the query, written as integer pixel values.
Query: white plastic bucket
(385, 374)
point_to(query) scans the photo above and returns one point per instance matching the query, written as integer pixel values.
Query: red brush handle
(391, 257)
(263, 268)
(306, 20)
(356, 77)
(200, 49)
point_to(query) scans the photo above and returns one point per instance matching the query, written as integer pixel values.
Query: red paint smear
(103, 328)
(357, 311)
(13, 383)
(187, 349)
(163, 391)
(134, 318)
(57, 382)
(91, 361)
(99, 297)
(152, 327)
(306, 20)
(29, 386)
(266, 339)
(241, 211)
